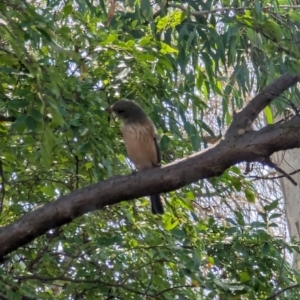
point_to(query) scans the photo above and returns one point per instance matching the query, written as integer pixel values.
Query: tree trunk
(289, 161)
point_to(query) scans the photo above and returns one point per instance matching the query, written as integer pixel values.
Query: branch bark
(239, 144)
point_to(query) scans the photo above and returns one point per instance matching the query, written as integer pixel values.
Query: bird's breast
(140, 145)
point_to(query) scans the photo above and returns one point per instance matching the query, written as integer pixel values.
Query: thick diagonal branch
(244, 118)
(232, 149)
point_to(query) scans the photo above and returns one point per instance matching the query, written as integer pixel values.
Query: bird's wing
(153, 131)
(157, 150)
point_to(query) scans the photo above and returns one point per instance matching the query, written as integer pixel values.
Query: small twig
(245, 117)
(272, 165)
(2, 186)
(2, 297)
(93, 281)
(77, 171)
(173, 288)
(273, 177)
(111, 12)
(37, 258)
(249, 168)
(297, 285)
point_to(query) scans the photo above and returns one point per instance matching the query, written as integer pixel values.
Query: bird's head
(127, 110)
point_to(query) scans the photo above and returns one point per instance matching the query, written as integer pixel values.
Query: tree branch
(95, 281)
(244, 118)
(279, 170)
(297, 285)
(233, 148)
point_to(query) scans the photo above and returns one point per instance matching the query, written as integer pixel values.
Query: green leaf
(190, 195)
(244, 276)
(108, 241)
(250, 196)
(274, 216)
(57, 118)
(257, 224)
(48, 190)
(171, 20)
(166, 49)
(265, 249)
(146, 10)
(162, 23)
(272, 29)
(236, 183)
(45, 33)
(45, 156)
(164, 142)
(20, 124)
(67, 10)
(193, 135)
(294, 15)
(228, 118)
(269, 115)
(231, 221)
(271, 206)
(111, 38)
(88, 165)
(18, 103)
(197, 260)
(84, 148)
(205, 127)
(49, 139)
(177, 17)
(169, 223)
(31, 123)
(199, 80)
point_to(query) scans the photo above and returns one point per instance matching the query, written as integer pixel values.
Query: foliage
(61, 64)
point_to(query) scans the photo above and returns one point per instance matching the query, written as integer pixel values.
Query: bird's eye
(120, 111)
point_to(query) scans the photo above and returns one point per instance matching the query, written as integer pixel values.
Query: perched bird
(139, 135)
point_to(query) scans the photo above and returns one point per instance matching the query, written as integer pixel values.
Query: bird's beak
(109, 109)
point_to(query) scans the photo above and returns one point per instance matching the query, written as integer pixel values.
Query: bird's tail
(156, 204)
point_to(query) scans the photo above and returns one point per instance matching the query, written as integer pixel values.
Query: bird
(140, 139)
